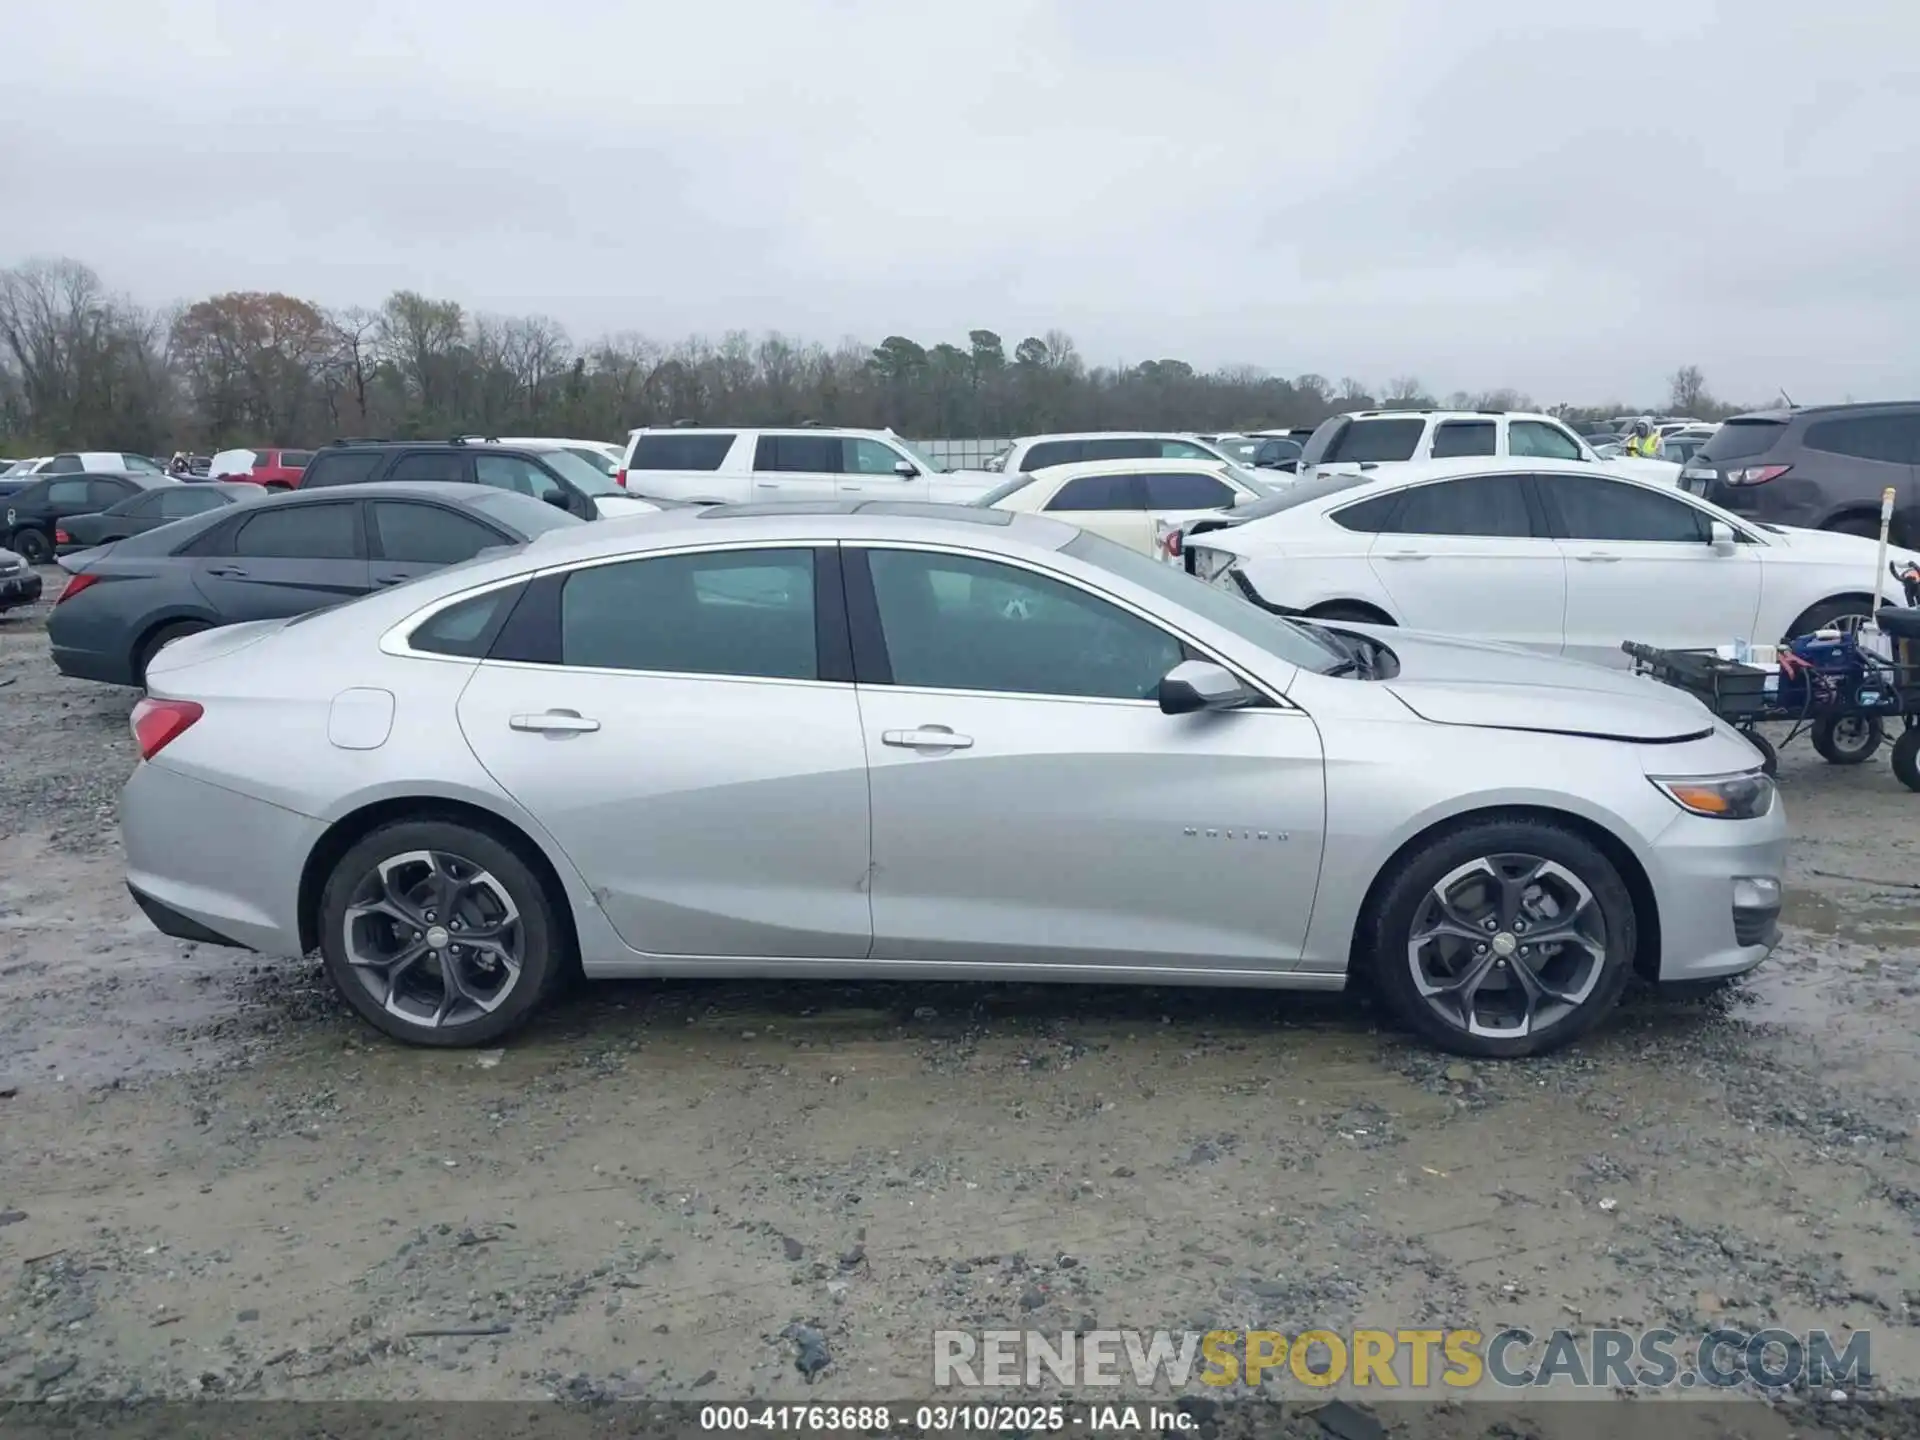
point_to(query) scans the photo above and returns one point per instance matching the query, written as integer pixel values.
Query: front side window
(1187, 491)
(867, 457)
(1455, 438)
(1098, 492)
(510, 472)
(1591, 508)
(1493, 505)
(1537, 438)
(744, 613)
(103, 493)
(139, 465)
(954, 622)
(178, 502)
(1891, 438)
(1184, 450)
(300, 532)
(413, 534)
(806, 454)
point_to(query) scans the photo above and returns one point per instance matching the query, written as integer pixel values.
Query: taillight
(61, 537)
(158, 723)
(1756, 474)
(620, 477)
(1172, 544)
(75, 584)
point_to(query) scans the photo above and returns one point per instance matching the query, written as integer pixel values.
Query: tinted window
(179, 501)
(818, 454)
(431, 465)
(957, 623)
(62, 465)
(510, 472)
(1369, 517)
(1183, 450)
(466, 628)
(1478, 505)
(140, 465)
(146, 503)
(744, 612)
(1893, 438)
(1738, 439)
(1375, 440)
(679, 452)
(296, 459)
(867, 457)
(1129, 447)
(1595, 509)
(67, 492)
(299, 532)
(109, 492)
(1187, 492)
(1454, 438)
(1055, 452)
(1274, 452)
(1536, 437)
(341, 469)
(1098, 492)
(429, 535)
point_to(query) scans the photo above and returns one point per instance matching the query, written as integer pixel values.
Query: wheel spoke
(1457, 993)
(1536, 989)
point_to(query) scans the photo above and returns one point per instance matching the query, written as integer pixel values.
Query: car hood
(1791, 542)
(615, 507)
(1501, 687)
(960, 486)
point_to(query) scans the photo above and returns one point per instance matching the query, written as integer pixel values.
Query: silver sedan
(917, 742)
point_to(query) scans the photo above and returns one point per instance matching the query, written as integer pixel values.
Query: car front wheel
(33, 547)
(439, 934)
(1503, 938)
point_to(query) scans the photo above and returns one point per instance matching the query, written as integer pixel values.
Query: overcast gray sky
(1569, 198)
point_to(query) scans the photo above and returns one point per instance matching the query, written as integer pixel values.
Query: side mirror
(557, 497)
(1244, 497)
(1721, 535)
(906, 469)
(1195, 685)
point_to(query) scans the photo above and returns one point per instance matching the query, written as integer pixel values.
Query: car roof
(458, 492)
(1139, 464)
(1112, 435)
(1783, 414)
(1436, 414)
(1409, 472)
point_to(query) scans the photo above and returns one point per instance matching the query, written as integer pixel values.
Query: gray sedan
(905, 741)
(268, 558)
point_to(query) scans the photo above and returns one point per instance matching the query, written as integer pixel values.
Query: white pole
(1880, 561)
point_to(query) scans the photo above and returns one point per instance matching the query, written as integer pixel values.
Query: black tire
(1769, 757)
(1847, 739)
(1906, 758)
(540, 936)
(1867, 527)
(1336, 611)
(1389, 930)
(1819, 617)
(276, 487)
(32, 546)
(160, 638)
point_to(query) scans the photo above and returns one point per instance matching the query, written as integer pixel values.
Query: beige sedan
(1129, 501)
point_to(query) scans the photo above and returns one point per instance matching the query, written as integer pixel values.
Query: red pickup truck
(275, 469)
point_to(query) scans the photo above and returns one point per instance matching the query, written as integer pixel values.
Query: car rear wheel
(1865, 526)
(439, 934)
(1502, 938)
(158, 641)
(33, 547)
(1847, 614)
(1351, 613)
(1906, 758)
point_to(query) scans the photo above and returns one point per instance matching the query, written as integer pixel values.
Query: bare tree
(1687, 390)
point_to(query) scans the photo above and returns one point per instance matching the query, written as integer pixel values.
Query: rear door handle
(1597, 557)
(927, 737)
(1405, 555)
(555, 722)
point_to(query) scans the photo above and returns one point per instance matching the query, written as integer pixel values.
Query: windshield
(584, 476)
(599, 459)
(1001, 491)
(1278, 637)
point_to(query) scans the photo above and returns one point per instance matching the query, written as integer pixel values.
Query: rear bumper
(1717, 884)
(92, 665)
(205, 861)
(18, 590)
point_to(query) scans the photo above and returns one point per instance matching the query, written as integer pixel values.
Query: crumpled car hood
(1465, 682)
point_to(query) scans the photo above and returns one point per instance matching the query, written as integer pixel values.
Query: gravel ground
(213, 1180)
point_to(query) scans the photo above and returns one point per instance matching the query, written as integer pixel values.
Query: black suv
(1824, 467)
(31, 516)
(555, 475)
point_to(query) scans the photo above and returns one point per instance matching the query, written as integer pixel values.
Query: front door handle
(927, 737)
(1597, 557)
(555, 722)
(384, 580)
(227, 572)
(1405, 555)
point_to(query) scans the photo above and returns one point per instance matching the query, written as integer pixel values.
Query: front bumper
(1717, 886)
(210, 864)
(19, 588)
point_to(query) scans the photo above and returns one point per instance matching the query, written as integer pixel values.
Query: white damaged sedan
(921, 742)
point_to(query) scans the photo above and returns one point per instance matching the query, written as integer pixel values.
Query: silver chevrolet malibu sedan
(922, 742)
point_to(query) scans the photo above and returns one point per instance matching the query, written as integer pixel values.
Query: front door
(667, 723)
(1031, 803)
(286, 560)
(1470, 557)
(870, 471)
(1641, 566)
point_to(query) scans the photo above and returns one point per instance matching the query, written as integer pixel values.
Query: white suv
(734, 466)
(1365, 439)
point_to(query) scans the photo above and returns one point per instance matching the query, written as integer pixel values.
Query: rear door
(1473, 557)
(796, 467)
(408, 538)
(1641, 566)
(284, 559)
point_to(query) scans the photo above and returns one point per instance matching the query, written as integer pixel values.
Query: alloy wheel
(1506, 945)
(435, 939)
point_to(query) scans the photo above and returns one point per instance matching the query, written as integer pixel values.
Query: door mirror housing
(905, 469)
(1721, 538)
(557, 497)
(1195, 685)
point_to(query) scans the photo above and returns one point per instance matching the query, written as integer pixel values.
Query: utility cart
(1844, 689)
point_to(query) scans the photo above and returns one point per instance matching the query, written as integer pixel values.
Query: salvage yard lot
(213, 1179)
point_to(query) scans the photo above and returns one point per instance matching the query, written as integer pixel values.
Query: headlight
(1746, 796)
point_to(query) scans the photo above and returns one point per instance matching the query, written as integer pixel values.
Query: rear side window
(1891, 438)
(466, 629)
(178, 502)
(1098, 492)
(1375, 440)
(296, 459)
(1369, 517)
(812, 454)
(1455, 438)
(349, 468)
(1056, 452)
(416, 534)
(300, 532)
(430, 465)
(1186, 491)
(1739, 439)
(1493, 505)
(679, 452)
(741, 613)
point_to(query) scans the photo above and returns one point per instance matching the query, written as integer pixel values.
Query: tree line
(83, 366)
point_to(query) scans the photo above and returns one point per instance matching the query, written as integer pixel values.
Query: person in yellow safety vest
(1644, 441)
